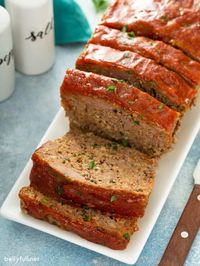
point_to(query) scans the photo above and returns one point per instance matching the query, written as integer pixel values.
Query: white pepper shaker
(33, 35)
(7, 69)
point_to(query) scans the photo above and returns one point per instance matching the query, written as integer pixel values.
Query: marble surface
(24, 119)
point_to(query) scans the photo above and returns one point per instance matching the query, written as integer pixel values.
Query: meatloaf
(93, 225)
(113, 109)
(174, 22)
(165, 85)
(91, 170)
(159, 51)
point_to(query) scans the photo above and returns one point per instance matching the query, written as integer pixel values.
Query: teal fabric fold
(71, 25)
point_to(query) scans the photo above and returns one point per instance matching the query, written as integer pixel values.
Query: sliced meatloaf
(159, 51)
(165, 85)
(113, 109)
(90, 224)
(91, 170)
(174, 22)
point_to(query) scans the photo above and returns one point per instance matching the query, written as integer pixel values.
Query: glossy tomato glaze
(171, 86)
(162, 53)
(87, 230)
(172, 21)
(125, 95)
(47, 181)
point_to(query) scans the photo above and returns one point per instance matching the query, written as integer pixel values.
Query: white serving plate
(168, 169)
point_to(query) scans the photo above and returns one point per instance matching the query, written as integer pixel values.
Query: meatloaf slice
(165, 85)
(90, 224)
(159, 51)
(174, 22)
(94, 171)
(115, 110)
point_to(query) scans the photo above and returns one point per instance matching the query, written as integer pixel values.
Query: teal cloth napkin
(71, 24)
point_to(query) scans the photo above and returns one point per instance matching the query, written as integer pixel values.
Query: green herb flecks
(129, 72)
(91, 165)
(112, 145)
(60, 190)
(165, 18)
(121, 81)
(100, 5)
(127, 55)
(95, 145)
(111, 88)
(149, 84)
(131, 34)
(44, 201)
(136, 122)
(125, 142)
(78, 193)
(161, 106)
(85, 207)
(66, 159)
(86, 218)
(126, 236)
(113, 198)
(124, 29)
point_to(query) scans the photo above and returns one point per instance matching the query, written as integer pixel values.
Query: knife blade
(186, 229)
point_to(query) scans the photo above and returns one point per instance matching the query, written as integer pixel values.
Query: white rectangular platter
(168, 170)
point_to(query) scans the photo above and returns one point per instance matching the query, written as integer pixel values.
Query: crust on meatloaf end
(115, 110)
(162, 53)
(144, 73)
(174, 22)
(91, 170)
(90, 224)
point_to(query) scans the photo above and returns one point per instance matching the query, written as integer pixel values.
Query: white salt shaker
(33, 35)
(7, 69)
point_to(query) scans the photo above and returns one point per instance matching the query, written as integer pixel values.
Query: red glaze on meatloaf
(174, 22)
(159, 51)
(113, 109)
(90, 224)
(165, 85)
(90, 170)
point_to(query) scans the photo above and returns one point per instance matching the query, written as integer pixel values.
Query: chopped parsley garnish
(150, 84)
(161, 106)
(114, 146)
(78, 193)
(126, 236)
(94, 145)
(113, 198)
(127, 54)
(129, 72)
(100, 5)
(91, 165)
(131, 102)
(66, 159)
(124, 29)
(131, 34)
(136, 122)
(121, 80)
(44, 201)
(125, 142)
(86, 217)
(164, 18)
(111, 88)
(60, 191)
(85, 207)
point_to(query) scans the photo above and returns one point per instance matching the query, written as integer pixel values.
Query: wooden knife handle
(184, 233)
